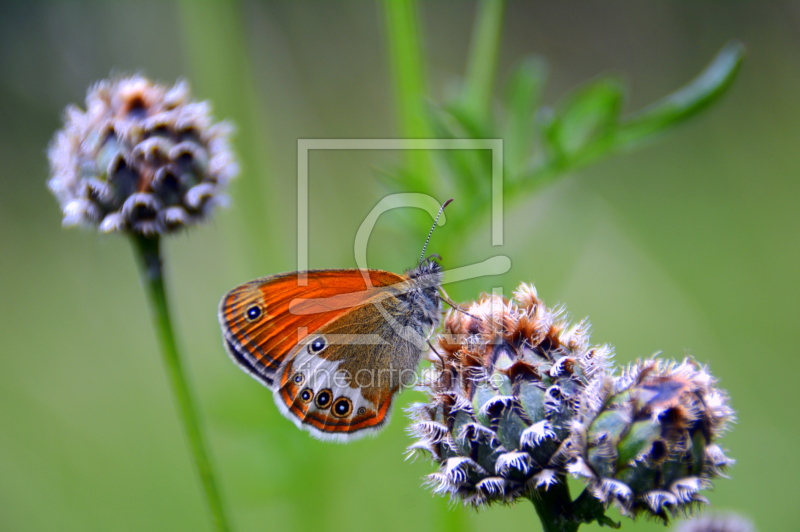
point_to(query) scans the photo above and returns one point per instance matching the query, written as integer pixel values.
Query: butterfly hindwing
(340, 381)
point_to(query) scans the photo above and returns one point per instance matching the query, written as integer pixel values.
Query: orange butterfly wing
(347, 387)
(261, 340)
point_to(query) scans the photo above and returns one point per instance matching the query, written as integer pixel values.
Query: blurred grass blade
(523, 96)
(684, 103)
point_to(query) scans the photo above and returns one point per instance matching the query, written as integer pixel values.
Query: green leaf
(471, 169)
(473, 125)
(523, 95)
(408, 72)
(687, 101)
(482, 60)
(563, 133)
(588, 117)
(602, 520)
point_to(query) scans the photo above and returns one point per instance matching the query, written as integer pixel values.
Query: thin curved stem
(148, 255)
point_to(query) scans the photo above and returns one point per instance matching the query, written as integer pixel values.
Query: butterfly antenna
(430, 234)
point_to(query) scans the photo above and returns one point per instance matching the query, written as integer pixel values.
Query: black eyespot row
(306, 395)
(324, 399)
(252, 313)
(342, 407)
(317, 344)
(298, 379)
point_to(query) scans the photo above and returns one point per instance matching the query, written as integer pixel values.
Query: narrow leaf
(482, 61)
(687, 101)
(588, 116)
(470, 168)
(523, 95)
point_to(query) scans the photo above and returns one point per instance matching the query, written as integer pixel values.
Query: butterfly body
(334, 346)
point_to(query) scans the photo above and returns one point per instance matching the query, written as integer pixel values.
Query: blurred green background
(689, 245)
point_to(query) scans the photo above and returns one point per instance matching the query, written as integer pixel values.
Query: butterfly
(334, 346)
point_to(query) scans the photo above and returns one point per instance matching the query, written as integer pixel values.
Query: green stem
(587, 509)
(148, 255)
(408, 72)
(482, 62)
(553, 507)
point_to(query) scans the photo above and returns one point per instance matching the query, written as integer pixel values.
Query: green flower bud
(649, 444)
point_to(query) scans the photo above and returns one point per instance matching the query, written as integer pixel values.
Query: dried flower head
(508, 380)
(141, 158)
(649, 444)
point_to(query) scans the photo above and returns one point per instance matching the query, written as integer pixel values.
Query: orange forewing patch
(270, 338)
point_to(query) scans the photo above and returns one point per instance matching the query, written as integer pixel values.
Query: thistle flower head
(142, 158)
(519, 399)
(508, 378)
(649, 445)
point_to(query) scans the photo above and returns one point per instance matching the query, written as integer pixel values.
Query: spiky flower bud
(142, 158)
(519, 399)
(507, 381)
(648, 445)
